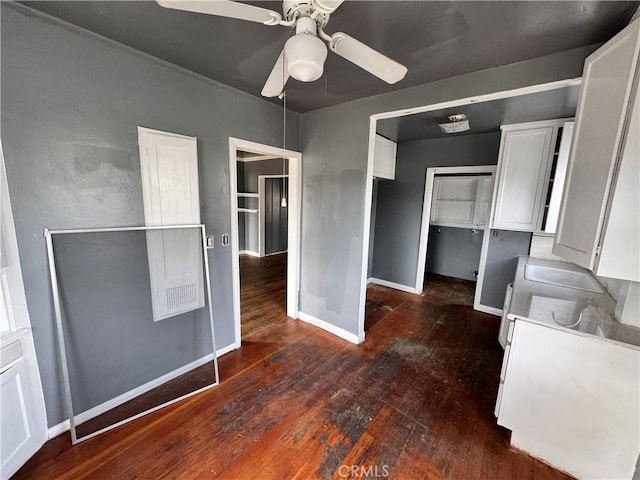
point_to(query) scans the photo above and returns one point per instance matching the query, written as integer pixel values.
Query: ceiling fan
(304, 53)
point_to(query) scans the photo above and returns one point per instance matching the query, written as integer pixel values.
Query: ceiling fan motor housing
(306, 8)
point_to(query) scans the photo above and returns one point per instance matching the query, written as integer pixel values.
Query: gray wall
(248, 173)
(335, 144)
(502, 260)
(399, 203)
(104, 363)
(71, 103)
(454, 252)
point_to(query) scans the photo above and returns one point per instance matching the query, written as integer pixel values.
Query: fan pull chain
(283, 201)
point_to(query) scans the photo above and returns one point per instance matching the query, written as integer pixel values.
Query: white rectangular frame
(48, 234)
(293, 240)
(373, 120)
(426, 214)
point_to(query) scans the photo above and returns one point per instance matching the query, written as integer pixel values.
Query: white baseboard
(249, 252)
(340, 332)
(131, 394)
(489, 310)
(397, 286)
(224, 350)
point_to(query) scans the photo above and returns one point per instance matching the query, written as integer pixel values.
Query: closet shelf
(249, 195)
(247, 210)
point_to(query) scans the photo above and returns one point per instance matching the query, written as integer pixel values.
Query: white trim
(224, 350)
(490, 310)
(426, 210)
(260, 158)
(249, 252)
(394, 285)
(556, 122)
(481, 268)
(331, 328)
(368, 201)
(141, 390)
(544, 87)
(294, 219)
(131, 394)
(487, 97)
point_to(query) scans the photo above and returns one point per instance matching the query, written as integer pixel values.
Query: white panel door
(169, 166)
(23, 420)
(599, 126)
(522, 178)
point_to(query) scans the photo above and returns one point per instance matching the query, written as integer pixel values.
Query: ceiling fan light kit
(304, 53)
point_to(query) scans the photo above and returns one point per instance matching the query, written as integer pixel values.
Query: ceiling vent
(457, 123)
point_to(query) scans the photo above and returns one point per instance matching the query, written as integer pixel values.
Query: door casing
(293, 235)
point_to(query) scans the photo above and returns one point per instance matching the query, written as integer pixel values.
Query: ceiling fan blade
(225, 8)
(277, 78)
(367, 58)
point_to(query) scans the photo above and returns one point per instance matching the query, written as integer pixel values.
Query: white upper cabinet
(524, 166)
(384, 158)
(599, 223)
(461, 201)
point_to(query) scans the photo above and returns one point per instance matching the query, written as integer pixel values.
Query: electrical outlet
(494, 233)
(225, 239)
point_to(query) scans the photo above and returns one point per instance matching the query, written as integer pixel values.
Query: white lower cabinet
(572, 400)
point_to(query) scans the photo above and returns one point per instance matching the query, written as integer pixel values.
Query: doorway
(454, 227)
(265, 235)
(399, 263)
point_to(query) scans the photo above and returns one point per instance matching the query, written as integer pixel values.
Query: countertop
(576, 311)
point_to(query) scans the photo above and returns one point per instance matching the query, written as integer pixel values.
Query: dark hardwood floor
(263, 292)
(414, 401)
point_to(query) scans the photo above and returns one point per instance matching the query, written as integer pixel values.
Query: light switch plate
(209, 241)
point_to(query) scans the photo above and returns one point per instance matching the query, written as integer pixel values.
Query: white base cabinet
(572, 400)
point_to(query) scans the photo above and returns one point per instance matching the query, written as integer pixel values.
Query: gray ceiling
(435, 40)
(484, 117)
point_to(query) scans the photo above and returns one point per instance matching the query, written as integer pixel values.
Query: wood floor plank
(415, 400)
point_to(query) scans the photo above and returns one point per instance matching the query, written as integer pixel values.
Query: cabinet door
(384, 159)
(169, 168)
(600, 121)
(524, 166)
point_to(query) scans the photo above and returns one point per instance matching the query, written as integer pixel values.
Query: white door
(23, 420)
(524, 163)
(600, 123)
(169, 167)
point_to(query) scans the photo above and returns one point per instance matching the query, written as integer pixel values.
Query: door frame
(293, 230)
(261, 212)
(373, 120)
(23, 370)
(426, 215)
